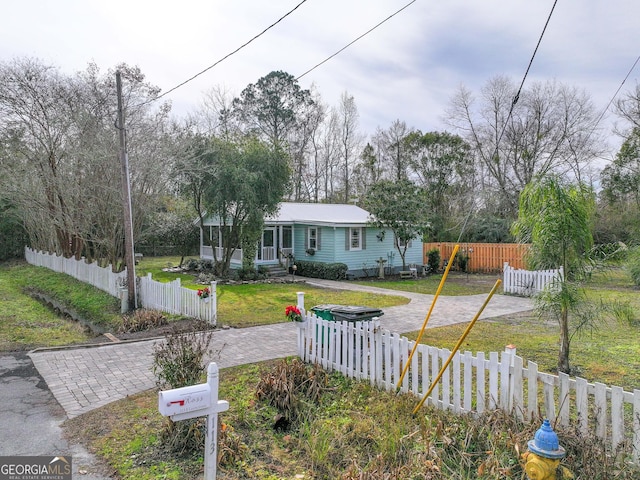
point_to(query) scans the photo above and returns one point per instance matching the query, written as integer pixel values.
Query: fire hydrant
(544, 455)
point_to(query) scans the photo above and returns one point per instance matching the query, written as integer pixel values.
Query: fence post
(302, 327)
(214, 304)
(124, 299)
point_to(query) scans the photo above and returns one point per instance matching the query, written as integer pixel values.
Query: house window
(312, 238)
(214, 232)
(287, 237)
(355, 239)
(402, 244)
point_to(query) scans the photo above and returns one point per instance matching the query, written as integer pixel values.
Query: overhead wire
(356, 39)
(516, 97)
(601, 116)
(226, 56)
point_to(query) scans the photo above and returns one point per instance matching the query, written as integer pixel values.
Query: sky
(407, 69)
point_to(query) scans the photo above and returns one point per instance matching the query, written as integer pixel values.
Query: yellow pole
(426, 319)
(455, 349)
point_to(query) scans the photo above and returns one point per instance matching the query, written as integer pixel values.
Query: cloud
(406, 69)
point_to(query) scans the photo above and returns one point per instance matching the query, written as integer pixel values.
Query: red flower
(204, 292)
(293, 313)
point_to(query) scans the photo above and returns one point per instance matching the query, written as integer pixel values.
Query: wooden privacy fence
(473, 384)
(482, 257)
(168, 297)
(528, 283)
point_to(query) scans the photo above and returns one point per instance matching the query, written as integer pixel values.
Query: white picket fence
(365, 351)
(102, 278)
(172, 298)
(168, 297)
(526, 282)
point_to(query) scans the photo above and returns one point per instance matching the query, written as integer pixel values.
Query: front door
(267, 247)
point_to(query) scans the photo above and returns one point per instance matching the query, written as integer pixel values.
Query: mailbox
(185, 400)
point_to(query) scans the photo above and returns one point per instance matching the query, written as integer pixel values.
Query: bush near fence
(482, 257)
(365, 351)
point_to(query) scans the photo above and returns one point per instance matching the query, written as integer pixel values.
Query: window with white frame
(312, 238)
(355, 239)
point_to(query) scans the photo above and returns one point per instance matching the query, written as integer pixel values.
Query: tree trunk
(563, 355)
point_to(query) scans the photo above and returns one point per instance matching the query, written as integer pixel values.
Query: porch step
(277, 271)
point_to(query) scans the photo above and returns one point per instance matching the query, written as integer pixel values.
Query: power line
(517, 96)
(615, 95)
(227, 55)
(354, 41)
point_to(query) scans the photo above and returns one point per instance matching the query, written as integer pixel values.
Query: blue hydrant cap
(545, 442)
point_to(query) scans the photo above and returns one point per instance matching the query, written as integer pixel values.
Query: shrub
(249, 274)
(200, 265)
(327, 271)
(141, 320)
(613, 252)
(231, 449)
(289, 384)
(179, 362)
(461, 261)
(433, 260)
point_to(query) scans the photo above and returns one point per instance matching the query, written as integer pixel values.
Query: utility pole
(129, 257)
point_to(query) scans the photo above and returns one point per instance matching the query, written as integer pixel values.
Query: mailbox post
(198, 401)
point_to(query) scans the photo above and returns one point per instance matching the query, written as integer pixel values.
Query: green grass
(455, 284)
(245, 305)
(26, 323)
(261, 304)
(608, 353)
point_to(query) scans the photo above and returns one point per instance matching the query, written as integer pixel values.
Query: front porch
(265, 256)
(274, 248)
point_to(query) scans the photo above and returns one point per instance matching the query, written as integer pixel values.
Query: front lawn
(457, 283)
(26, 323)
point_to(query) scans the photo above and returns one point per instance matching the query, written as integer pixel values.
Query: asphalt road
(31, 419)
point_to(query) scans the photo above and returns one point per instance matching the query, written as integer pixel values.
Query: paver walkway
(85, 378)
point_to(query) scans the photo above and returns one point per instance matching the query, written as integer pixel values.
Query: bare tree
(548, 128)
(329, 160)
(393, 151)
(214, 117)
(63, 150)
(304, 149)
(349, 139)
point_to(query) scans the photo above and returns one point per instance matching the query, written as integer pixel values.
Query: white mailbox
(198, 401)
(185, 400)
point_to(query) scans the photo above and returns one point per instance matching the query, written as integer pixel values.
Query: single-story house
(322, 232)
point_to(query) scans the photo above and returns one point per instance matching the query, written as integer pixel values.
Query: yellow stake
(455, 349)
(426, 319)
